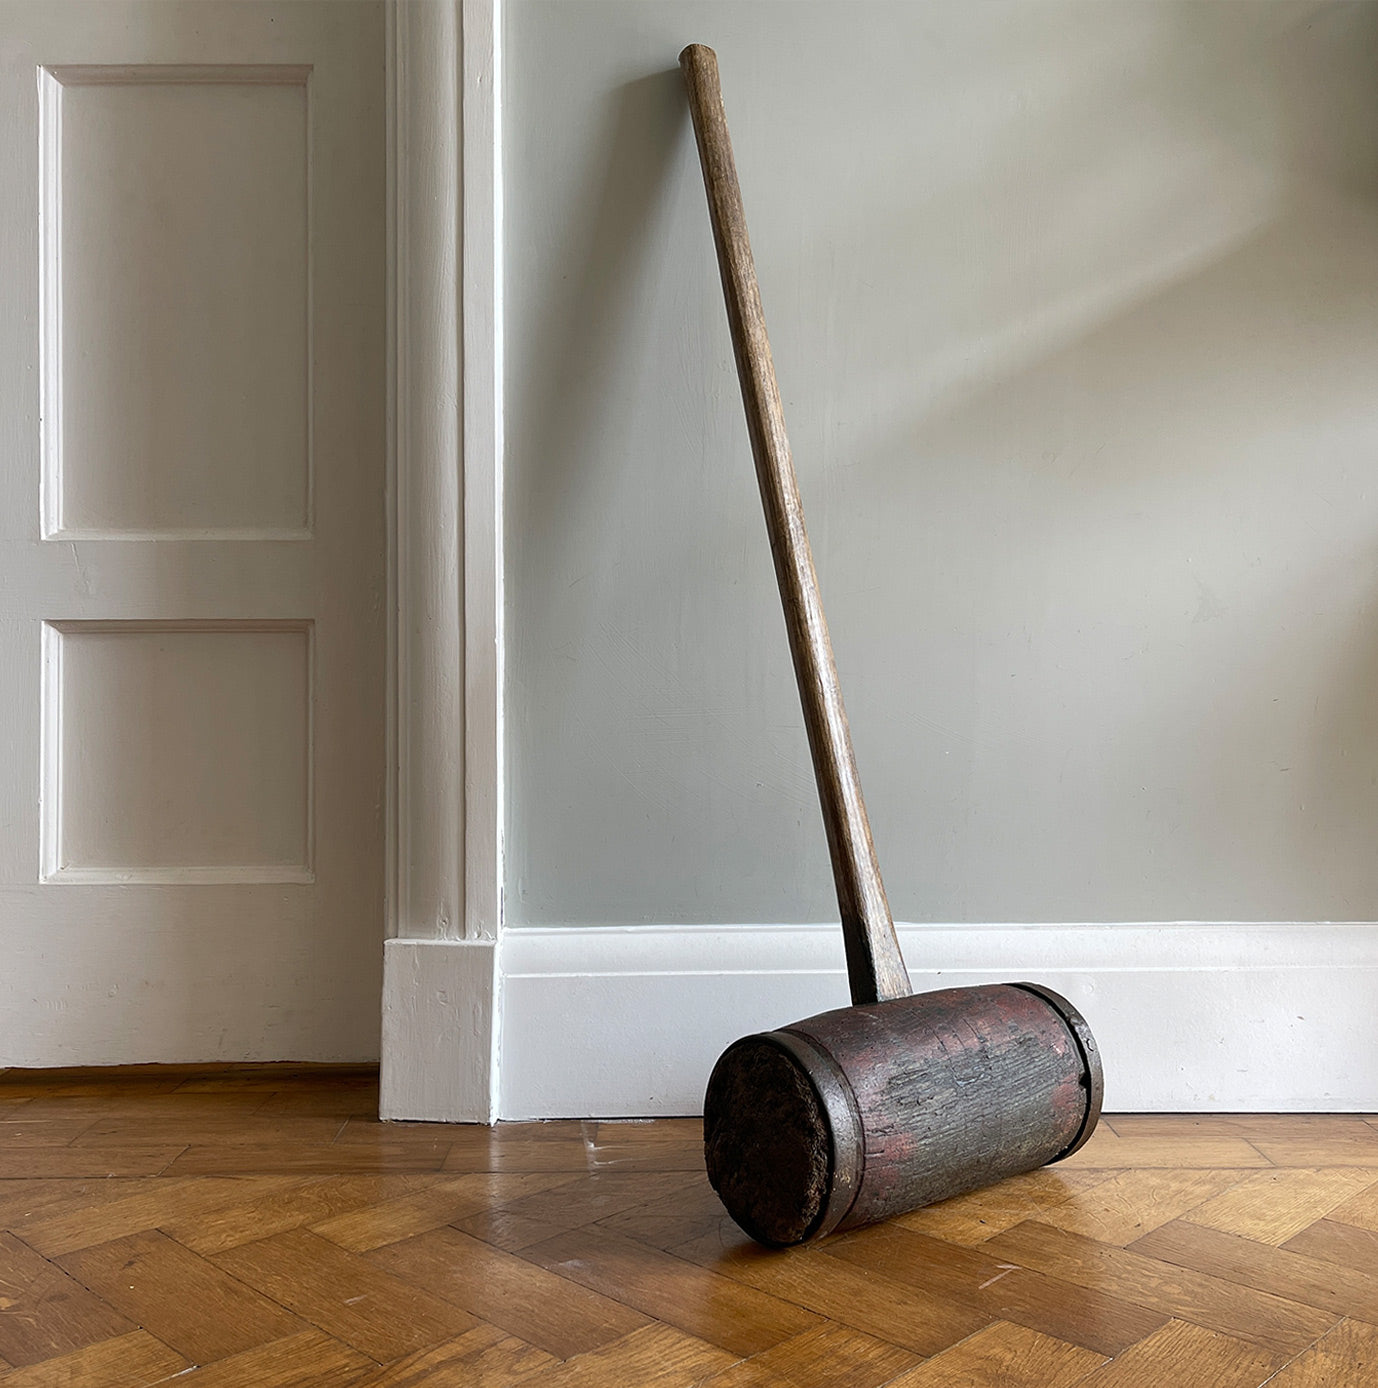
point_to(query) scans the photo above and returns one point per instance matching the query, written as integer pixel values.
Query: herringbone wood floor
(256, 1228)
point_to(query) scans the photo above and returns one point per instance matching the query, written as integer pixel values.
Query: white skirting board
(438, 1031)
(627, 1021)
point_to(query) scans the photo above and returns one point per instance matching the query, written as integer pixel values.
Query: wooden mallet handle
(875, 968)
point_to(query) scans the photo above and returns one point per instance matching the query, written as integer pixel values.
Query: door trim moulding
(444, 810)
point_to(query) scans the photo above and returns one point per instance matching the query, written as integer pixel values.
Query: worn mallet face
(856, 1115)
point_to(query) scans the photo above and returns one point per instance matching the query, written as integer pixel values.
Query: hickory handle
(875, 968)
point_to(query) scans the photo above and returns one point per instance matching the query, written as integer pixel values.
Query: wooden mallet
(900, 1100)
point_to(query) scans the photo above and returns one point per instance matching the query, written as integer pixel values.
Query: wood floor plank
(128, 1361)
(1309, 1126)
(557, 1132)
(999, 1291)
(669, 1289)
(655, 1356)
(43, 1312)
(188, 1303)
(645, 1132)
(51, 1161)
(353, 1101)
(689, 1214)
(1108, 1151)
(1183, 1354)
(1360, 1209)
(1359, 1150)
(442, 1201)
(371, 1132)
(484, 1357)
(310, 1359)
(19, 1130)
(597, 1195)
(672, 1144)
(1271, 1206)
(484, 1154)
(1259, 1317)
(506, 1230)
(527, 1301)
(349, 1297)
(274, 1076)
(1130, 1203)
(975, 1217)
(291, 1202)
(306, 1159)
(95, 1215)
(1346, 1245)
(232, 1129)
(922, 1322)
(1293, 1275)
(25, 1202)
(829, 1357)
(97, 1108)
(1345, 1358)
(1004, 1356)
(582, 1252)
(103, 1081)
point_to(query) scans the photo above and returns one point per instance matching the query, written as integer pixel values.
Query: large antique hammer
(902, 1099)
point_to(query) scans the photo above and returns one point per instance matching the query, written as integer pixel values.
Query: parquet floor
(256, 1228)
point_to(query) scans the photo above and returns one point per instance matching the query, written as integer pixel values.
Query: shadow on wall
(1078, 358)
(1182, 616)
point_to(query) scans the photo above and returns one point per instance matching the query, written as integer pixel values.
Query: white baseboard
(438, 1033)
(627, 1021)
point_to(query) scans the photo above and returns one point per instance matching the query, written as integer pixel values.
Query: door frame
(444, 812)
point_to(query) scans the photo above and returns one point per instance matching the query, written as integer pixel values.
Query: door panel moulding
(444, 811)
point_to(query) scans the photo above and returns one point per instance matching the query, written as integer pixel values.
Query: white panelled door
(192, 561)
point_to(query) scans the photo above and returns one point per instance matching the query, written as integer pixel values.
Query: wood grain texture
(1310, 1281)
(829, 1357)
(536, 1305)
(281, 1203)
(1008, 1355)
(1344, 1245)
(1187, 1354)
(353, 1300)
(656, 1354)
(44, 1312)
(1360, 1209)
(1272, 1206)
(1264, 1318)
(1000, 1291)
(570, 1273)
(188, 1303)
(669, 1289)
(1130, 1203)
(110, 1210)
(484, 1357)
(1359, 1150)
(875, 967)
(875, 1305)
(1346, 1358)
(134, 1159)
(306, 1159)
(1108, 1151)
(128, 1361)
(433, 1205)
(307, 1358)
(979, 1215)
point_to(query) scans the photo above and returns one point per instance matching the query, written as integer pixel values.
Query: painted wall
(1075, 311)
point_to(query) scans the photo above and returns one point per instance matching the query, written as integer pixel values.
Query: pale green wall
(1075, 310)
